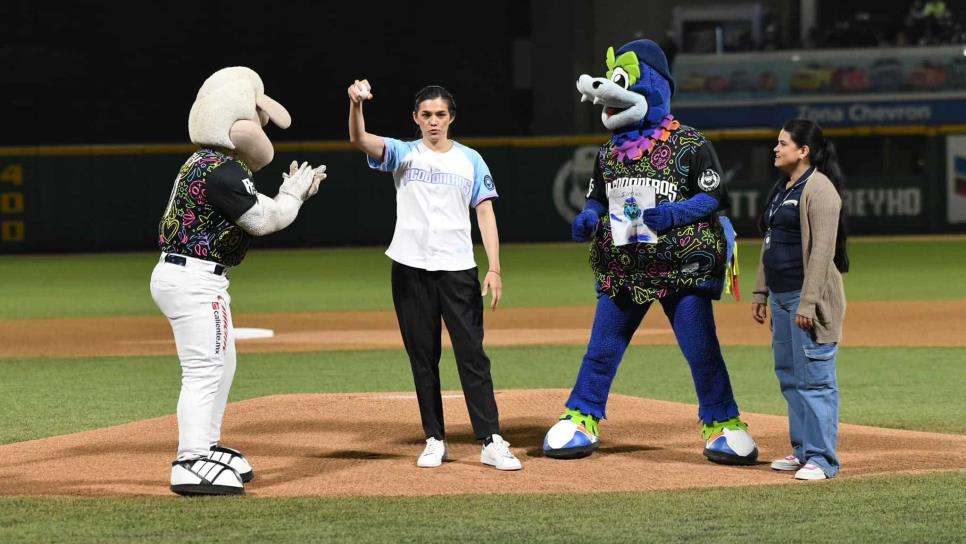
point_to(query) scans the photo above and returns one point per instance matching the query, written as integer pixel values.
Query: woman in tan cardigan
(802, 257)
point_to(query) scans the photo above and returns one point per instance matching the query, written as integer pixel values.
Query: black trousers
(421, 298)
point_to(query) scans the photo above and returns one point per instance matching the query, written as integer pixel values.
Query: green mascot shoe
(572, 437)
(729, 443)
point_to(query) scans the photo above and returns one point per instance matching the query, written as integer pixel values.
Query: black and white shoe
(205, 477)
(234, 459)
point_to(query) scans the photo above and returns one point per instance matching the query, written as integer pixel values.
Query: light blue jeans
(806, 374)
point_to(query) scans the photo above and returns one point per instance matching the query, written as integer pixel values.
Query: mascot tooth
(652, 216)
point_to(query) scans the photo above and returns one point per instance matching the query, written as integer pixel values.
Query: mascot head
(229, 112)
(636, 92)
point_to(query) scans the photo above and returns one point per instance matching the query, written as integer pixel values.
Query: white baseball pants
(196, 303)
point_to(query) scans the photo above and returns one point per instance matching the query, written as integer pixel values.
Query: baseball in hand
(363, 92)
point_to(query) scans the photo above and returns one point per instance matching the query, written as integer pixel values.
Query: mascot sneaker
(729, 443)
(573, 437)
(433, 455)
(234, 459)
(205, 477)
(497, 454)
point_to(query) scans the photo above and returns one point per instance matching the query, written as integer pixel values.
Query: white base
(243, 333)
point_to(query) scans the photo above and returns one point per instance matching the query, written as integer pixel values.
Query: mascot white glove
(303, 181)
(270, 215)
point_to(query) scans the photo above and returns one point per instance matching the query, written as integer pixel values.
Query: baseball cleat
(205, 477)
(573, 437)
(234, 459)
(729, 443)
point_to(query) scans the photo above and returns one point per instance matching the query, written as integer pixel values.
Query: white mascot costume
(213, 213)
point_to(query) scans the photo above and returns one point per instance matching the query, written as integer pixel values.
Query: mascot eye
(620, 77)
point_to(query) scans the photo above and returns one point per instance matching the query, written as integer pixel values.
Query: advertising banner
(112, 202)
(894, 86)
(956, 179)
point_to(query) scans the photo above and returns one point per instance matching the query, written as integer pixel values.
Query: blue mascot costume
(656, 234)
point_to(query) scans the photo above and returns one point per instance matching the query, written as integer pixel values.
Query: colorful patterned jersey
(212, 191)
(690, 257)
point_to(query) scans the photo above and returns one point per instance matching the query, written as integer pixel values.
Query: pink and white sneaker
(788, 463)
(810, 472)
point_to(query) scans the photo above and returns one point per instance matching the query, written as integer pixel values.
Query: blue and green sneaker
(729, 443)
(573, 436)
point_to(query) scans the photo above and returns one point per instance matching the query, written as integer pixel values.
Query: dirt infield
(876, 324)
(304, 445)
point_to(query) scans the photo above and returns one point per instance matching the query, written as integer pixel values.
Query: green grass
(341, 279)
(880, 387)
(906, 388)
(895, 510)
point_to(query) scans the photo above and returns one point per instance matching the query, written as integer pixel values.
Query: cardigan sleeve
(760, 292)
(819, 219)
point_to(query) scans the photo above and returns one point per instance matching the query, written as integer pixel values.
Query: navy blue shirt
(782, 260)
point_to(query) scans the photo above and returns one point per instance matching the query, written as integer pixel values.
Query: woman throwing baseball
(434, 273)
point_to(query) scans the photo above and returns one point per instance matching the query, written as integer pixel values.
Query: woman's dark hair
(824, 157)
(435, 91)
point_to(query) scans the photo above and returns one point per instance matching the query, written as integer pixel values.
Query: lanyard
(780, 197)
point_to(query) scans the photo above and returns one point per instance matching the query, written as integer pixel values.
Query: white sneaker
(498, 455)
(810, 472)
(234, 459)
(433, 455)
(788, 463)
(205, 477)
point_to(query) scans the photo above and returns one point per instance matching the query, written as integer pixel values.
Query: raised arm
(370, 144)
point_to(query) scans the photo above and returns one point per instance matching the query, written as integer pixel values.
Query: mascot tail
(731, 260)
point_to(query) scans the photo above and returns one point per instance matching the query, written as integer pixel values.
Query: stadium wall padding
(112, 200)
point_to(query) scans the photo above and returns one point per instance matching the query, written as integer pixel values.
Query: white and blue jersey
(434, 192)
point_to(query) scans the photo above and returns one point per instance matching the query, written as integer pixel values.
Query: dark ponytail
(823, 157)
(829, 165)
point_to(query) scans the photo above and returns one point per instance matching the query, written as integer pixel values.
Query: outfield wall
(110, 198)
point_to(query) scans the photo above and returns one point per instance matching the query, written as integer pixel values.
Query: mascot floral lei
(652, 215)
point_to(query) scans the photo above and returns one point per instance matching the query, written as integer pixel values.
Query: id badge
(767, 239)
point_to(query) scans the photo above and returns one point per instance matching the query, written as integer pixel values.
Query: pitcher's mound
(367, 444)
